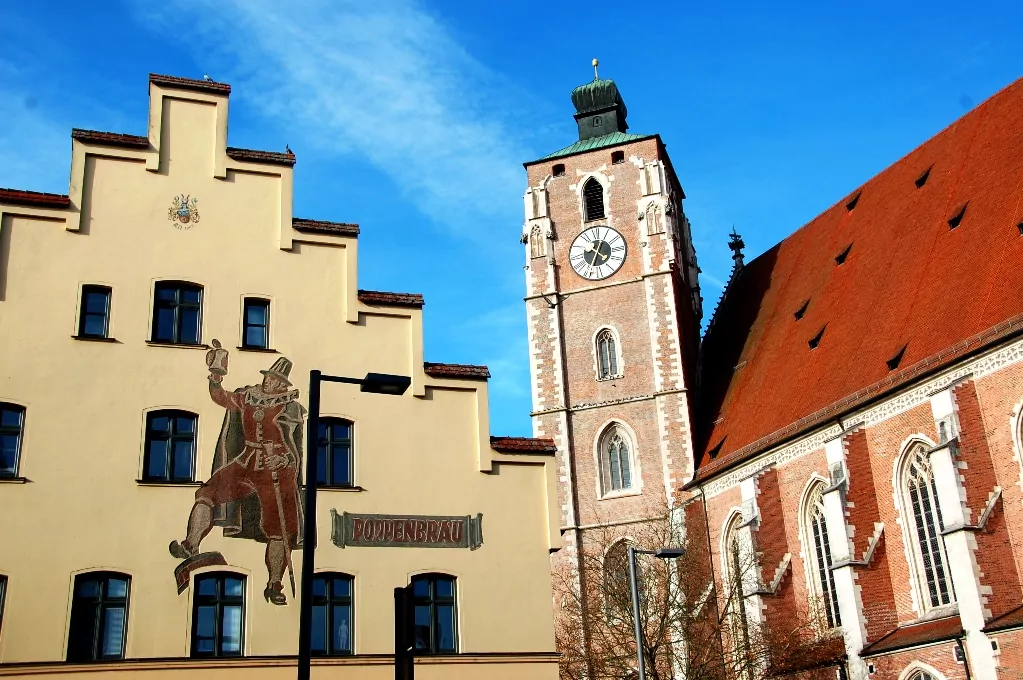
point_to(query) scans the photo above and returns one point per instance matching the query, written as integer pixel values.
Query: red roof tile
(910, 280)
(34, 198)
(924, 633)
(110, 139)
(189, 84)
(320, 227)
(253, 156)
(1011, 619)
(456, 371)
(522, 445)
(376, 297)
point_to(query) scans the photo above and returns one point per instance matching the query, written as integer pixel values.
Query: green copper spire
(599, 108)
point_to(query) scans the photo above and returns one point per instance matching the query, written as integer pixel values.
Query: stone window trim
(918, 670)
(12, 430)
(816, 545)
(144, 478)
(537, 242)
(334, 439)
(595, 345)
(329, 600)
(89, 639)
(654, 216)
(255, 300)
(83, 314)
(616, 556)
(736, 553)
(1016, 432)
(220, 600)
(602, 479)
(920, 587)
(180, 284)
(435, 591)
(580, 188)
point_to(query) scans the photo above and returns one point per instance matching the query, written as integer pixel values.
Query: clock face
(597, 253)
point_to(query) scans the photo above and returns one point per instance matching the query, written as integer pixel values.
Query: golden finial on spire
(596, 76)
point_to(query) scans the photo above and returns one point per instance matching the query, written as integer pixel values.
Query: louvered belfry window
(825, 579)
(927, 525)
(593, 200)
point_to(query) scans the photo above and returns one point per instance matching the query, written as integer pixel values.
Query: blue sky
(413, 118)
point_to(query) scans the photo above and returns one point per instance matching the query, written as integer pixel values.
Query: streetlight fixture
(660, 553)
(375, 383)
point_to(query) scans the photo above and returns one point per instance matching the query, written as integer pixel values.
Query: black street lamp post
(661, 553)
(377, 383)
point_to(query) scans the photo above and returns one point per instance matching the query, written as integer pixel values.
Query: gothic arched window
(924, 525)
(607, 355)
(616, 460)
(654, 219)
(617, 589)
(593, 200)
(536, 242)
(735, 558)
(819, 560)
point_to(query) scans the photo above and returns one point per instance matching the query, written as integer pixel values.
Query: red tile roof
(456, 371)
(376, 297)
(189, 84)
(321, 227)
(914, 635)
(1011, 619)
(110, 139)
(253, 156)
(523, 445)
(34, 198)
(909, 281)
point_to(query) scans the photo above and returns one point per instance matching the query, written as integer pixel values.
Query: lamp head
(669, 553)
(385, 383)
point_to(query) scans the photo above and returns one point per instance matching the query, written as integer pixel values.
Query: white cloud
(385, 81)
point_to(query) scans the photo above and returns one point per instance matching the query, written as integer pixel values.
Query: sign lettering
(405, 531)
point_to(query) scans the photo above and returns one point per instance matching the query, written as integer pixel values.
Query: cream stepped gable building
(852, 419)
(157, 327)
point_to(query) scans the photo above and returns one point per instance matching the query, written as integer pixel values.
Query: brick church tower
(613, 309)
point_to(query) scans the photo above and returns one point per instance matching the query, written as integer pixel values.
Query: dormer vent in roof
(1020, 227)
(802, 310)
(894, 362)
(922, 179)
(713, 453)
(957, 218)
(853, 201)
(599, 108)
(844, 254)
(816, 340)
(736, 244)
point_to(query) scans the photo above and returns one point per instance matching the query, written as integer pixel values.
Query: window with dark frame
(170, 446)
(558, 170)
(177, 313)
(435, 618)
(334, 453)
(927, 525)
(94, 316)
(822, 558)
(218, 615)
(617, 157)
(256, 324)
(12, 421)
(332, 615)
(607, 355)
(616, 461)
(593, 200)
(3, 599)
(99, 617)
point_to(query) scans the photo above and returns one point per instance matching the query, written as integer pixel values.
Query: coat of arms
(183, 212)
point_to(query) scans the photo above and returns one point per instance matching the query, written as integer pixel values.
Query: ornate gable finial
(736, 244)
(596, 63)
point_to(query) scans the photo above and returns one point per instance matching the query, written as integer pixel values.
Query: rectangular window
(218, 610)
(99, 614)
(332, 615)
(256, 324)
(433, 597)
(177, 313)
(617, 157)
(94, 319)
(170, 446)
(12, 419)
(334, 453)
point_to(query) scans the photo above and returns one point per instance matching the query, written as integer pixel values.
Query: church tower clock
(613, 309)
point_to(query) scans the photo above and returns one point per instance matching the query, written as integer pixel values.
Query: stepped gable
(523, 445)
(917, 268)
(36, 199)
(435, 370)
(378, 297)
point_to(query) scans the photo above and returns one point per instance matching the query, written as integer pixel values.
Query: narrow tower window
(558, 170)
(926, 526)
(823, 579)
(593, 200)
(617, 157)
(616, 460)
(607, 355)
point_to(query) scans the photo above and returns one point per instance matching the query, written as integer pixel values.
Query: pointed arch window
(617, 589)
(819, 561)
(607, 355)
(925, 526)
(734, 557)
(654, 219)
(616, 460)
(536, 242)
(593, 200)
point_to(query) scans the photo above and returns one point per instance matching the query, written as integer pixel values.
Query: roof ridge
(592, 144)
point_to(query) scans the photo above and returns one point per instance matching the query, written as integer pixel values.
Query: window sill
(14, 480)
(266, 350)
(155, 482)
(611, 378)
(331, 487)
(175, 345)
(621, 494)
(94, 338)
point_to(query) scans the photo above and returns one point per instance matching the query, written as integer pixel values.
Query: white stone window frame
(605, 183)
(537, 241)
(808, 545)
(914, 670)
(635, 469)
(905, 519)
(619, 358)
(733, 524)
(1016, 432)
(652, 209)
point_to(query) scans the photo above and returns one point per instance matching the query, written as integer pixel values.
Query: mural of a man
(253, 489)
